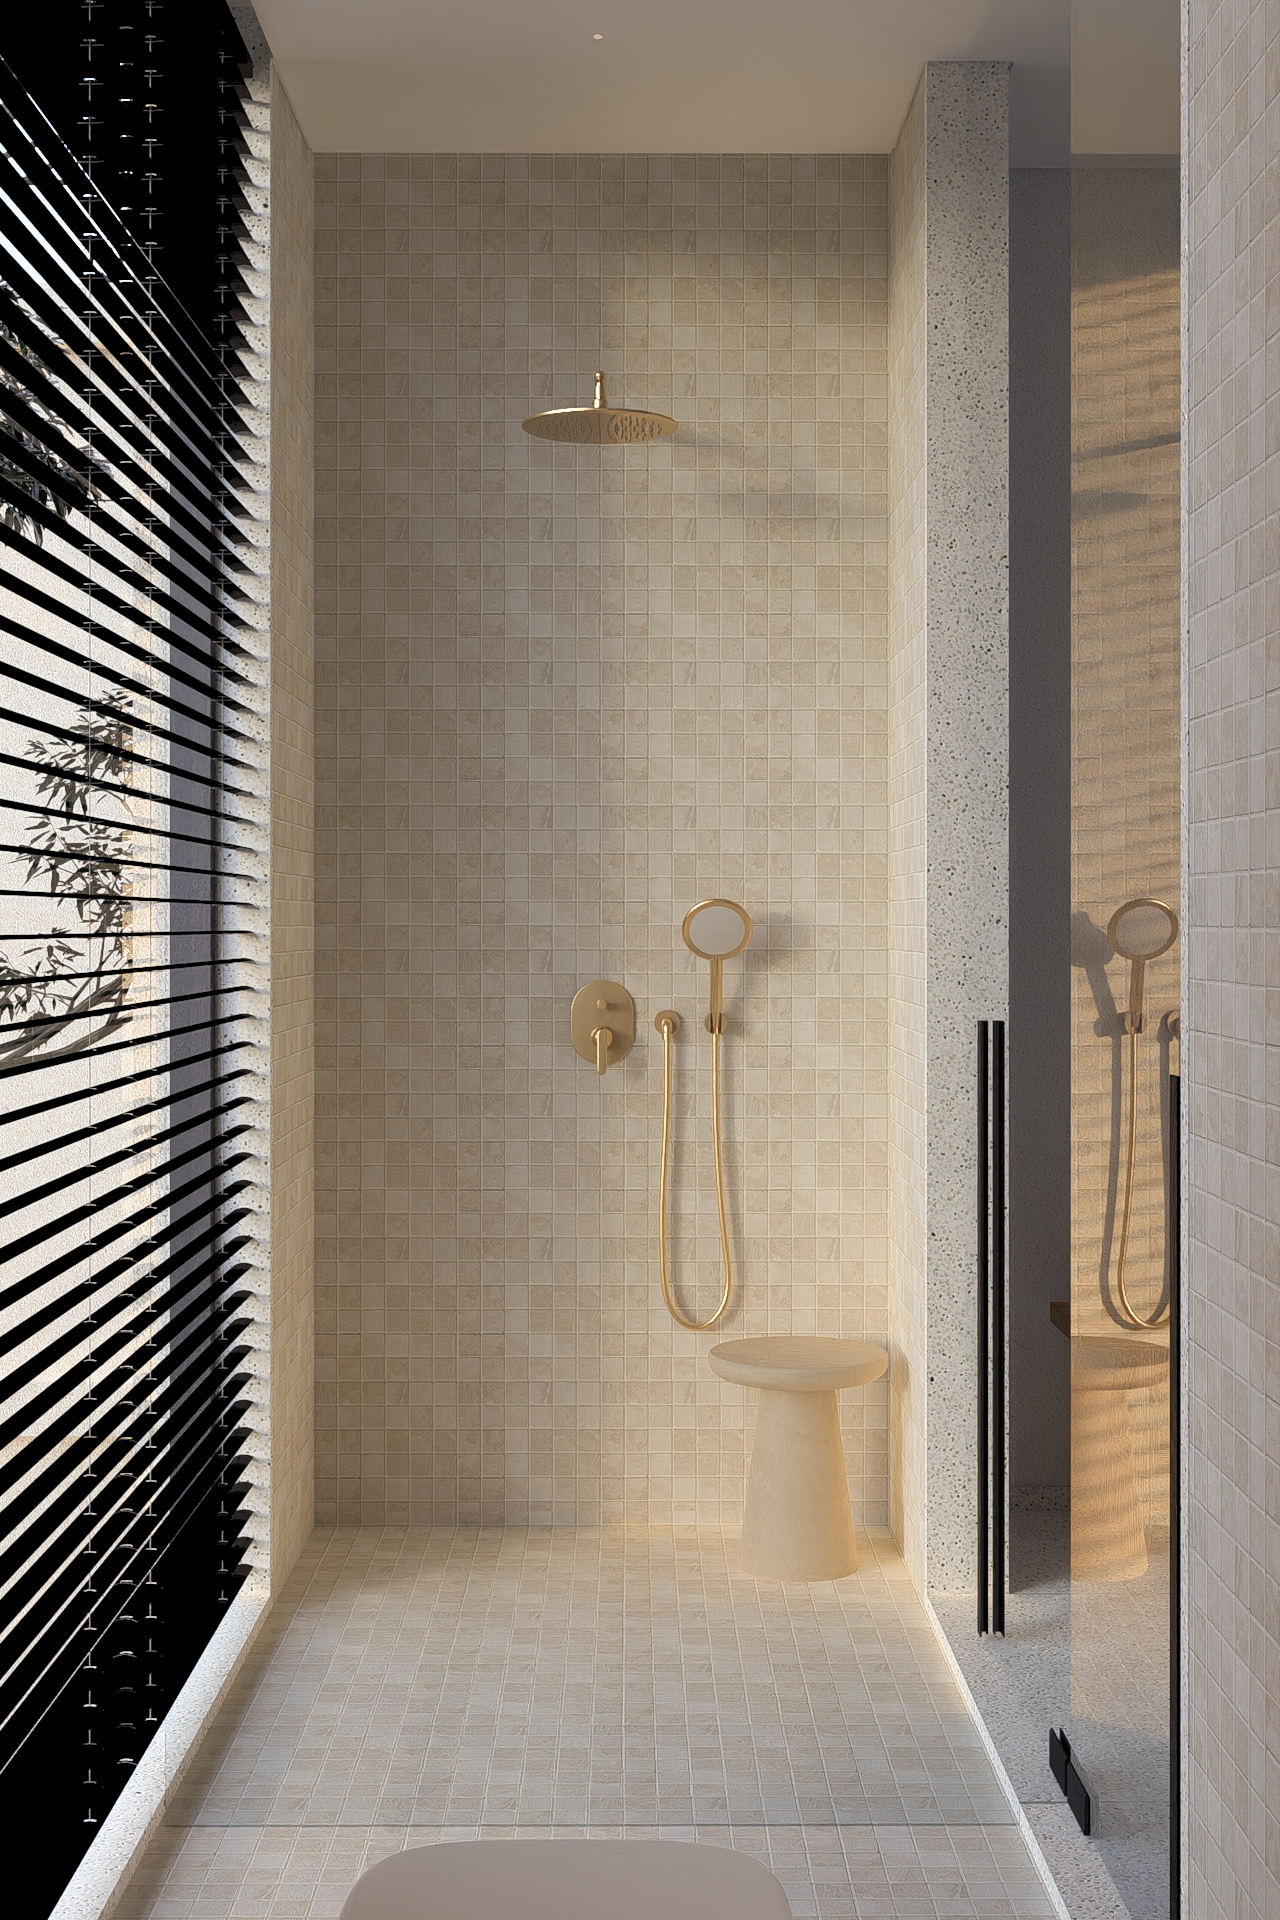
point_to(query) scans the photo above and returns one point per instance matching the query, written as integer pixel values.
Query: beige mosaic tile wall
(292, 849)
(1231, 1087)
(1125, 741)
(564, 694)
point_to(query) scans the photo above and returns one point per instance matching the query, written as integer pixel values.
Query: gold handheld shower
(716, 930)
(1139, 932)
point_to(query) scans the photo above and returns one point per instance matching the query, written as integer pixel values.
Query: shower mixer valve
(602, 1023)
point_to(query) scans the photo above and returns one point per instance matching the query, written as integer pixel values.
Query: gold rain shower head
(601, 424)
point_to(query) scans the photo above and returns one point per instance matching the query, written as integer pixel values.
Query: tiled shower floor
(420, 1685)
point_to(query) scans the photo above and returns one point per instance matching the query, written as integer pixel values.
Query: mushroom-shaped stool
(797, 1524)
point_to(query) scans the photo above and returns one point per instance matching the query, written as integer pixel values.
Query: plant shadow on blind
(130, 915)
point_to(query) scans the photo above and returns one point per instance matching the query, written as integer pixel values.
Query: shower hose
(1162, 1314)
(669, 1025)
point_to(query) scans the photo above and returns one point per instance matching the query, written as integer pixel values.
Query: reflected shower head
(1140, 931)
(715, 930)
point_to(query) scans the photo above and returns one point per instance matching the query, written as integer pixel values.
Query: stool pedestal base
(797, 1524)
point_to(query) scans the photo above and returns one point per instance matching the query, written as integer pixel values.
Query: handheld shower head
(1140, 931)
(716, 930)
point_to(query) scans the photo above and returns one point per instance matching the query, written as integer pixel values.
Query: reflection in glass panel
(1125, 953)
(1094, 954)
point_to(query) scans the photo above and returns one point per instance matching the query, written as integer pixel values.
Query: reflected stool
(1108, 1538)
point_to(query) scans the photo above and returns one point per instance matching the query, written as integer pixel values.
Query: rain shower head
(1139, 932)
(600, 424)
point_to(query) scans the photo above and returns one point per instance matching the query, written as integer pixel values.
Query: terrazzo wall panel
(949, 754)
(967, 641)
(564, 694)
(1231, 1057)
(292, 848)
(908, 1082)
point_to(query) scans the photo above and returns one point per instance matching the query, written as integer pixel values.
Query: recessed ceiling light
(597, 36)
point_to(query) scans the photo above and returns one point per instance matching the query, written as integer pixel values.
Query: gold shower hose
(668, 1024)
(1135, 1319)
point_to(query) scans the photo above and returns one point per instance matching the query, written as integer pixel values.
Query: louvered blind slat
(131, 955)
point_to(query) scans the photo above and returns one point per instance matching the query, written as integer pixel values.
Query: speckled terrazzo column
(949, 392)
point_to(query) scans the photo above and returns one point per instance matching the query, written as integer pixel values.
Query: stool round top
(798, 1363)
(1099, 1364)
(567, 1880)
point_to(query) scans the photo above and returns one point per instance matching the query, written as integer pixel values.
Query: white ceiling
(711, 76)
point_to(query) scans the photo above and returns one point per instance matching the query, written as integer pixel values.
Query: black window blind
(132, 989)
